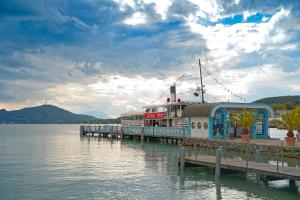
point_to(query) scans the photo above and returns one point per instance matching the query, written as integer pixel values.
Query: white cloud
(161, 6)
(124, 3)
(237, 1)
(208, 9)
(136, 19)
(228, 42)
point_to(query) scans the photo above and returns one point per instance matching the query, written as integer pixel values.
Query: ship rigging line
(216, 80)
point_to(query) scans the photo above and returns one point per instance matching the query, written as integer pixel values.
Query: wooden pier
(265, 170)
(113, 131)
(174, 134)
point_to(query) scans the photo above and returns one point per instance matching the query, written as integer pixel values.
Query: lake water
(53, 162)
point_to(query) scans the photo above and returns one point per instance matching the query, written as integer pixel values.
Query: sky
(101, 56)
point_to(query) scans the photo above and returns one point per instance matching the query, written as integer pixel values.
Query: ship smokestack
(173, 93)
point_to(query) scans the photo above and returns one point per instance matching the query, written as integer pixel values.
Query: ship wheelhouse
(165, 115)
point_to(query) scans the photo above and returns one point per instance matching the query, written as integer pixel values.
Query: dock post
(99, 135)
(258, 156)
(89, 132)
(111, 132)
(292, 183)
(195, 150)
(142, 134)
(281, 146)
(218, 162)
(247, 154)
(182, 158)
(81, 130)
(121, 133)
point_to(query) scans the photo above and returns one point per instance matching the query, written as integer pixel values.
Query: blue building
(211, 120)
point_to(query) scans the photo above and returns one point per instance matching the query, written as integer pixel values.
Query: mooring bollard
(218, 162)
(182, 158)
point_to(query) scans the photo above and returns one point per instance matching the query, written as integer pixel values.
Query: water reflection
(52, 162)
(229, 186)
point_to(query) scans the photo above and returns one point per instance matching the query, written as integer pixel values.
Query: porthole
(199, 125)
(205, 125)
(193, 125)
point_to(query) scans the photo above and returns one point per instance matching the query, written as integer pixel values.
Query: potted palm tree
(244, 119)
(291, 121)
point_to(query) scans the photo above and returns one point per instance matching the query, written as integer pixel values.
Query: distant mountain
(98, 114)
(280, 100)
(44, 114)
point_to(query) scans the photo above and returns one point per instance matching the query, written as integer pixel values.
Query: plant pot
(245, 137)
(290, 140)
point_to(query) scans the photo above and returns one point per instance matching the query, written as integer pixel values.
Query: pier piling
(182, 158)
(218, 162)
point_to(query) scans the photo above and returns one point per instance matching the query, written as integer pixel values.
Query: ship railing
(151, 131)
(102, 128)
(132, 130)
(173, 132)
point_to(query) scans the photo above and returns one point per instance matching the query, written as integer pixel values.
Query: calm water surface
(52, 162)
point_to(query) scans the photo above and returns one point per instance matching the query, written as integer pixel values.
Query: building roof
(209, 109)
(132, 113)
(167, 104)
(198, 110)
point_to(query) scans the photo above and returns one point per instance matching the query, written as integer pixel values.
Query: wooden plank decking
(292, 173)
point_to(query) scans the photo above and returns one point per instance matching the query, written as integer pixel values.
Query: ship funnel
(173, 93)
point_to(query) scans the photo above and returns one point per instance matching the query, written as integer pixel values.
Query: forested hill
(280, 100)
(44, 114)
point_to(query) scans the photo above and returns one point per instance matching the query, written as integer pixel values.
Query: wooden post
(292, 183)
(182, 158)
(81, 130)
(89, 133)
(258, 155)
(281, 145)
(195, 150)
(99, 134)
(121, 133)
(111, 132)
(142, 134)
(218, 162)
(247, 154)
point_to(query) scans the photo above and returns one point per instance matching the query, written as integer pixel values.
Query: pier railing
(103, 128)
(132, 130)
(250, 158)
(176, 132)
(164, 132)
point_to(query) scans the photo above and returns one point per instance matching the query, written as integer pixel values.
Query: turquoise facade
(218, 120)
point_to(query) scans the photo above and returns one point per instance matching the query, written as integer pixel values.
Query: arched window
(259, 125)
(218, 124)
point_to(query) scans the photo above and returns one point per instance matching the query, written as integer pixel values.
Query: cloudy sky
(116, 56)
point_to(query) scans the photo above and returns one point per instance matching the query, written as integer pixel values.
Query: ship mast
(202, 86)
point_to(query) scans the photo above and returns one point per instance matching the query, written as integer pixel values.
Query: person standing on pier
(298, 135)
